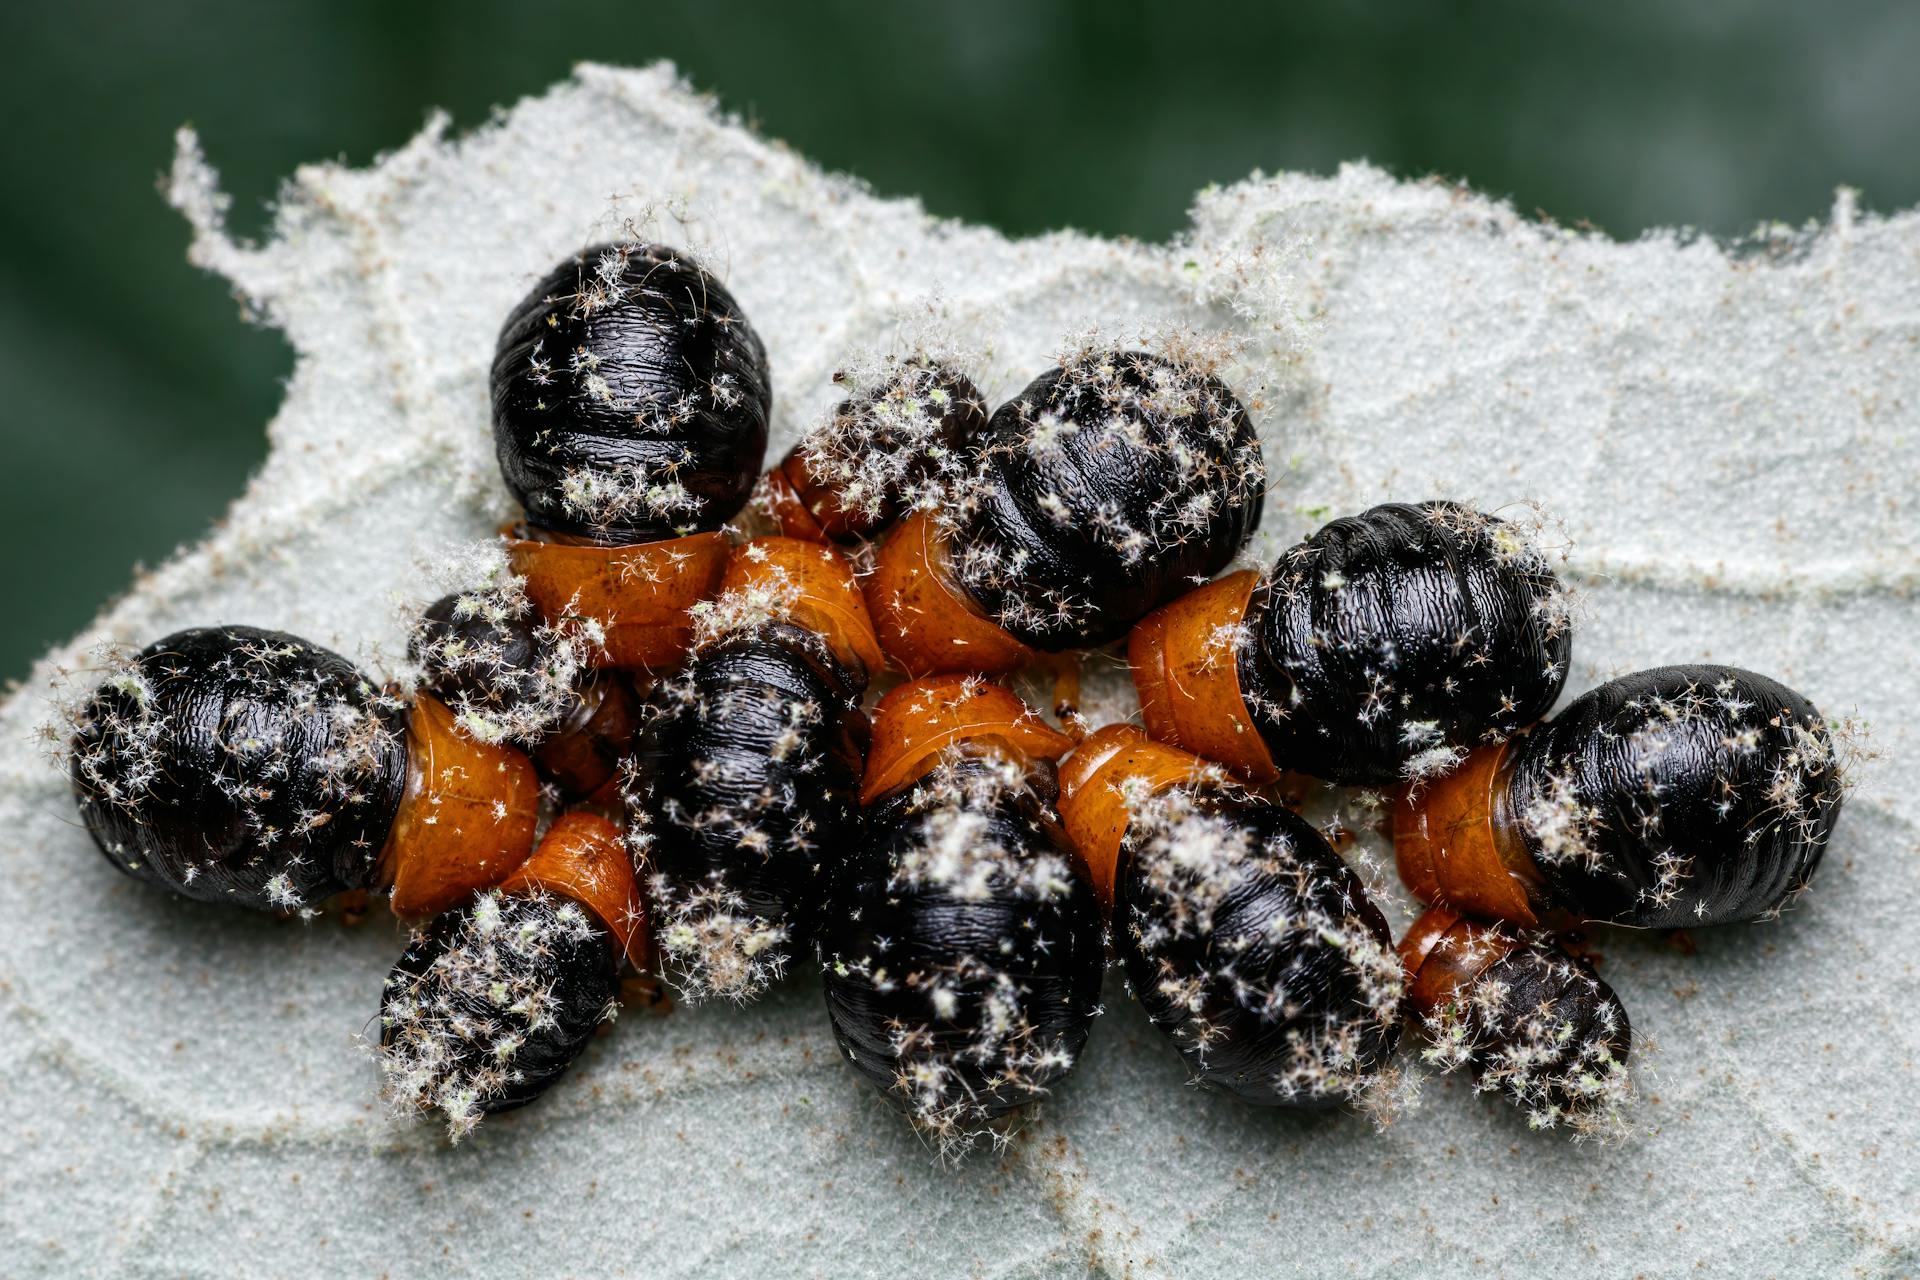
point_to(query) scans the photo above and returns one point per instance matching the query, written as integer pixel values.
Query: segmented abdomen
(1389, 643)
(1686, 795)
(745, 780)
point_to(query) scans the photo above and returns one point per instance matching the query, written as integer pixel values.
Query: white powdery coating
(1177, 415)
(712, 944)
(1733, 439)
(1192, 860)
(449, 1036)
(1553, 1059)
(885, 442)
(768, 598)
(533, 701)
(955, 855)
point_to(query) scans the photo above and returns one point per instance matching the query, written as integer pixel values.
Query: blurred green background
(136, 397)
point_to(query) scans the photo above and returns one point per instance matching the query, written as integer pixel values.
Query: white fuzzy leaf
(1733, 439)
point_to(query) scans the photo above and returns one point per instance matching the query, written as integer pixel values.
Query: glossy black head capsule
(506, 673)
(1529, 1020)
(1679, 796)
(1389, 643)
(745, 779)
(1379, 650)
(1248, 941)
(1671, 798)
(1257, 952)
(1106, 488)
(630, 398)
(238, 765)
(745, 774)
(963, 956)
(492, 1002)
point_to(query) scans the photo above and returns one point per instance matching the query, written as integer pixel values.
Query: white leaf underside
(1733, 437)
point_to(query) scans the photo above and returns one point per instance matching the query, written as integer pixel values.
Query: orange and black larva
(1670, 798)
(879, 452)
(1528, 1019)
(963, 963)
(238, 765)
(1384, 645)
(493, 1000)
(1104, 489)
(956, 886)
(630, 403)
(744, 777)
(1248, 941)
(508, 675)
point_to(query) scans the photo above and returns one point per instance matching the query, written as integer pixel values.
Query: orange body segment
(1454, 850)
(1094, 795)
(826, 595)
(926, 620)
(583, 857)
(783, 503)
(1444, 952)
(640, 594)
(583, 756)
(1185, 659)
(918, 720)
(805, 508)
(466, 815)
